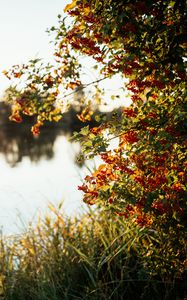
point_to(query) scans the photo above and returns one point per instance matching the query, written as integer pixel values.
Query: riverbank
(95, 256)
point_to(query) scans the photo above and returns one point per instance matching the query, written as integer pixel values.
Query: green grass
(98, 256)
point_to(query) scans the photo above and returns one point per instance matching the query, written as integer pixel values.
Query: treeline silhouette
(17, 141)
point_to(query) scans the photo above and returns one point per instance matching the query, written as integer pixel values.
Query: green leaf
(85, 130)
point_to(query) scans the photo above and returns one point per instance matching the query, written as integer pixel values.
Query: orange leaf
(70, 6)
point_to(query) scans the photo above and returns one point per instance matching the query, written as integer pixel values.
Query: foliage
(144, 41)
(96, 256)
(143, 178)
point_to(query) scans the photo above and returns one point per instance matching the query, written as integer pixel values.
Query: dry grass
(98, 256)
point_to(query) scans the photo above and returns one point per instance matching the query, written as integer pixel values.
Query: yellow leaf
(5, 72)
(82, 27)
(87, 10)
(70, 6)
(57, 118)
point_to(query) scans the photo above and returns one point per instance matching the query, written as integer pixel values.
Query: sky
(23, 36)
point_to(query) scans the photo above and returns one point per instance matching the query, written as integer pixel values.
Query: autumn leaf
(70, 6)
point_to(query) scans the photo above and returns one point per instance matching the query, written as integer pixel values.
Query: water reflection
(17, 141)
(26, 188)
(15, 145)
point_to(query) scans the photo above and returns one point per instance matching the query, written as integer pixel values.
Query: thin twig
(85, 86)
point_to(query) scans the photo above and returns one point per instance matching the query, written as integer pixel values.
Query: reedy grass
(97, 256)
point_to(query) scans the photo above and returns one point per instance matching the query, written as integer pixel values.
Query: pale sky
(23, 37)
(22, 31)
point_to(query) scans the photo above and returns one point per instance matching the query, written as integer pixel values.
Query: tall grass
(98, 256)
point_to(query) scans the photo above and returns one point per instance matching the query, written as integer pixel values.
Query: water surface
(34, 173)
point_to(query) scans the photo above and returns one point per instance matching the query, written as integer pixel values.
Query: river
(35, 172)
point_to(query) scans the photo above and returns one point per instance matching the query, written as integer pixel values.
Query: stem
(84, 86)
